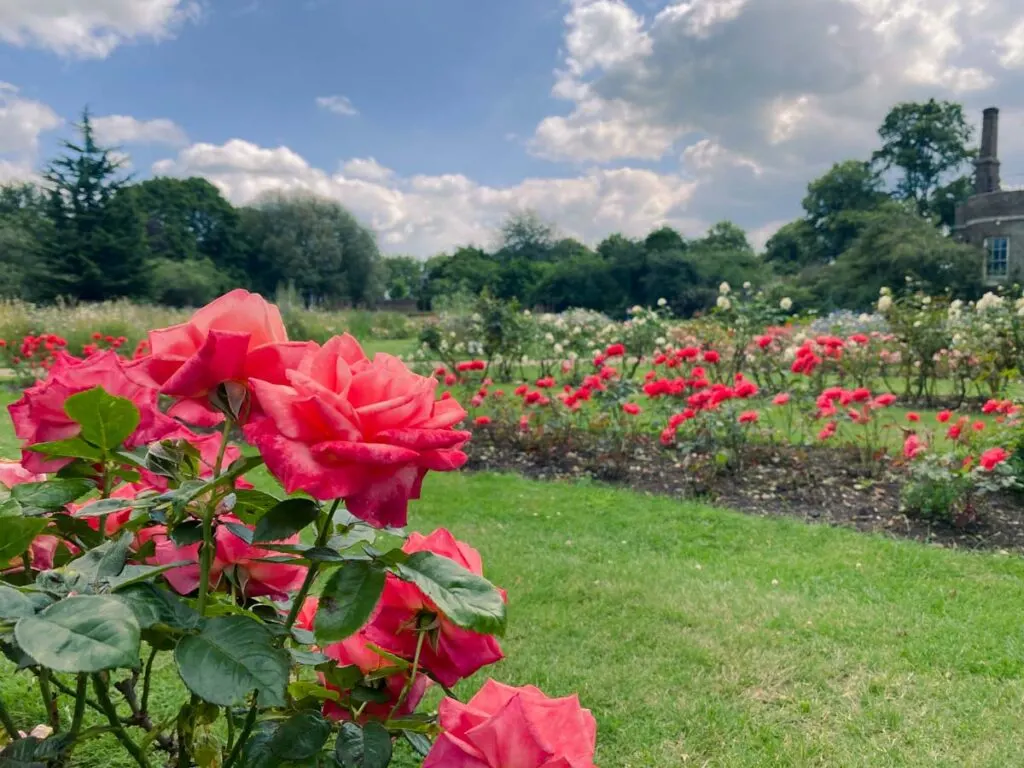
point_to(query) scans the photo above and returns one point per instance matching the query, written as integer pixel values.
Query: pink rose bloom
(504, 726)
(257, 578)
(43, 549)
(362, 430)
(353, 651)
(458, 653)
(39, 415)
(232, 339)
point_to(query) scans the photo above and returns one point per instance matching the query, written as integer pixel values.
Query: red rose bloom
(502, 726)
(631, 408)
(457, 652)
(749, 417)
(992, 457)
(365, 431)
(615, 350)
(482, 421)
(39, 415)
(232, 339)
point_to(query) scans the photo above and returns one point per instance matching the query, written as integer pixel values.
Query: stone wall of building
(997, 214)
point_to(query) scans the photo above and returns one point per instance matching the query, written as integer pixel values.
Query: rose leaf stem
(323, 532)
(412, 675)
(250, 721)
(103, 696)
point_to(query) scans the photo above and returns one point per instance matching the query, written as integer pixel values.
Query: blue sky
(602, 115)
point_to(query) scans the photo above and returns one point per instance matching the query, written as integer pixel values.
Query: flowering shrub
(128, 531)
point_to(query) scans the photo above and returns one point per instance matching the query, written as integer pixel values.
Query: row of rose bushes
(915, 344)
(689, 401)
(128, 530)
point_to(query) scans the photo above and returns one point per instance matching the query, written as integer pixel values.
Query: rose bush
(128, 531)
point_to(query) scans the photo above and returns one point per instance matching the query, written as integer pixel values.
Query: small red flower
(781, 398)
(993, 457)
(943, 416)
(632, 409)
(450, 379)
(914, 417)
(749, 417)
(978, 426)
(711, 356)
(913, 446)
(615, 350)
(482, 421)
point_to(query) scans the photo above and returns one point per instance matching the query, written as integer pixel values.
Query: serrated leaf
(366, 747)
(14, 605)
(16, 533)
(73, 448)
(231, 657)
(347, 600)
(85, 633)
(467, 600)
(106, 421)
(300, 737)
(49, 495)
(286, 519)
(102, 507)
(154, 606)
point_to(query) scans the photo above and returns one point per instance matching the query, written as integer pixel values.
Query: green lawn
(704, 637)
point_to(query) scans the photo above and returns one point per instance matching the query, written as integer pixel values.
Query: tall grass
(78, 322)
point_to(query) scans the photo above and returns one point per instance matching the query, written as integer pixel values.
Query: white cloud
(123, 129)
(339, 105)
(603, 33)
(427, 214)
(1012, 46)
(366, 168)
(22, 121)
(90, 28)
(708, 155)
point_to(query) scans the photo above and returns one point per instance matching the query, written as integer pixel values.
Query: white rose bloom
(746, 286)
(451, 334)
(526, 313)
(989, 301)
(558, 349)
(577, 331)
(864, 317)
(459, 347)
(573, 356)
(662, 302)
(723, 302)
(636, 309)
(917, 323)
(883, 291)
(885, 303)
(660, 340)
(786, 304)
(549, 337)
(926, 300)
(724, 289)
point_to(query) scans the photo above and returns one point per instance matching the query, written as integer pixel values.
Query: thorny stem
(412, 675)
(119, 732)
(323, 533)
(206, 555)
(140, 715)
(250, 721)
(146, 679)
(8, 723)
(66, 690)
(80, 702)
(49, 702)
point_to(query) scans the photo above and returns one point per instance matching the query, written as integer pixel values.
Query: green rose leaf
(300, 737)
(49, 495)
(106, 421)
(16, 533)
(74, 448)
(366, 747)
(102, 507)
(154, 607)
(469, 601)
(14, 605)
(231, 657)
(347, 600)
(251, 505)
(286, 519)
(86, 633)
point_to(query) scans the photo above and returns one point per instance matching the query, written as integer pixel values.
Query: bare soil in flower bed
(818, 485)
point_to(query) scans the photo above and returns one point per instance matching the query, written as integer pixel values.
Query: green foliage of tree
(846, 188)
(96, 249)
(926, 144)
(189, 283)
(189, 219)
(24, 227)
(403, 277)
(314, 244)
(525, 236)
(897, 242)
(793, 248)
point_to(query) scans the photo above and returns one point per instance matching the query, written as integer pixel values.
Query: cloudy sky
(431, 119)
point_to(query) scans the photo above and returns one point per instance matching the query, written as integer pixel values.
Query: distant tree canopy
(88, 231)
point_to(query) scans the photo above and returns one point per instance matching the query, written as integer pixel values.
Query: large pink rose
(355, 651)
(457, 653)
(39, 415)
(232, 339)
(255, 577)
(503, 726)
(362, 430)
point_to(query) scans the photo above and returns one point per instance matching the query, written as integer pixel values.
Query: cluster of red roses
(101, 342)
(335, 424)
(33, 351)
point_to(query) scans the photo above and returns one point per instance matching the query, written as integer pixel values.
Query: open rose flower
(354, 651)
(502, 726)
(365, 431)
(232, 339)
(255, 577)
(39, 415)
(457, 653)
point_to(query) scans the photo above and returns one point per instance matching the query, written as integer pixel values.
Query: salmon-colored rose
(232, 339)
(457, 652)
(355, 651)
(255, 577)
(39, 415)
(362, 430)
(503, 726)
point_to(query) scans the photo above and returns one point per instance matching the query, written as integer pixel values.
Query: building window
(997, 261)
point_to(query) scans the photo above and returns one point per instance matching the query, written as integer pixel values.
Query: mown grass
(704, 637)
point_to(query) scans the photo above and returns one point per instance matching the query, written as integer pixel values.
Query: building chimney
(986, 176)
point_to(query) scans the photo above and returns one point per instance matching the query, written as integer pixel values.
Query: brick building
(993, 218)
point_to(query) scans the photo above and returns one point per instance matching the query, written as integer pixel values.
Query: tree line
(90, 232)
